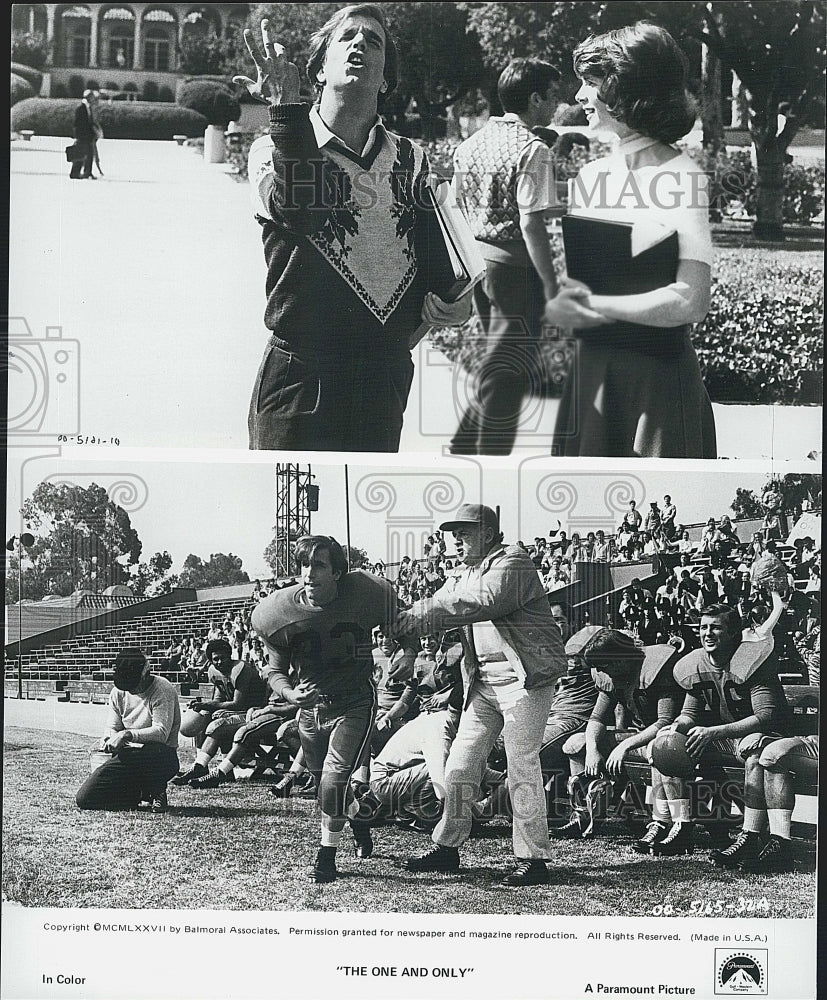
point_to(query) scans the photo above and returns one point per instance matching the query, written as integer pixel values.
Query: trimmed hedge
(119, 120)
(215, 101)
(20, 89)
(34, 77)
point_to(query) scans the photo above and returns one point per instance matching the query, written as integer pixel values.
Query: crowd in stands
(418, 711)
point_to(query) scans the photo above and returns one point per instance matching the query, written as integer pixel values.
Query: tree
(777, 49)
(83, 540)
(152, 578)
(440, 61)
(356, 557)
(220, 570)
(208, 54)
(746, 505)
(30, 48)
(794, 488)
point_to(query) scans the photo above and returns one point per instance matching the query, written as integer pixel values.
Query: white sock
(203, 758)
(780, 820)
(226, 766)
(679, 810)
(660, 811)
(754, 819)
(330, 838)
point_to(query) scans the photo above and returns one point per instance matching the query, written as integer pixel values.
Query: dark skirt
(625, 404)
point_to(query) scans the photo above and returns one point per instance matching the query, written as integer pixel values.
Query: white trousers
(520, 716)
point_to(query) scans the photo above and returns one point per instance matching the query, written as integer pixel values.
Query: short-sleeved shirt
(243, 677)
(330, 647)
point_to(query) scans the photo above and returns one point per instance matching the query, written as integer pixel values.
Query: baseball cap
(473, 514)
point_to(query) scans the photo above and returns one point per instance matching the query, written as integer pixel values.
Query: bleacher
(80, 668)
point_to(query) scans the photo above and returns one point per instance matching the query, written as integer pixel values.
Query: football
(193, 722)
(669, 756)
(768, 571)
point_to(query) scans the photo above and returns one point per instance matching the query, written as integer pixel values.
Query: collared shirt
(324, 136)
(505, 590)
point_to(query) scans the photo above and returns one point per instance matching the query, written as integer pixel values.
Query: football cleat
(158, 803)
(362, 840)
(212, 779)
(679, 840)
(438, 859)
(185, 777)
(775, 856)
(655, 833)
(743, 852)
(575, 828)
(324, 867)
(527, 873)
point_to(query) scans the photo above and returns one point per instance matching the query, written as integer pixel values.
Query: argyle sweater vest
(489, 165)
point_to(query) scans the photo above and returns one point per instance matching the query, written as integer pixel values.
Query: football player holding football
(318, 636)
(638, 681)
(734, 701)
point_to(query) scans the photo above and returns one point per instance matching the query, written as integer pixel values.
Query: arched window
(118, 39)
(76, 23)
(157, 48)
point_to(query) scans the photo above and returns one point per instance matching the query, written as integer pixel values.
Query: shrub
(92, 85)
(30, 48)
(150, 92)
(119, 120)
(31, 75)
(59, 90)
(166, 95)
(763, 332)
(130, 88)
(110, 85)
(76, 86)
(20, 89)
(214, 101)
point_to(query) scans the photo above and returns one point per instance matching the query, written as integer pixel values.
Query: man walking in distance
(339, 199)
(513, 655)
(318, 635)
(86, 133)
(504, 178)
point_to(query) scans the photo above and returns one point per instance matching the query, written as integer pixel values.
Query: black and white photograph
(414, 500)
(572, 229)
(417, 692)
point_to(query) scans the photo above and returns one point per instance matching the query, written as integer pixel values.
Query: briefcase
(74, 153)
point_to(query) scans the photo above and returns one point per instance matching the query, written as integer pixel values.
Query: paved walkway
(155, 274)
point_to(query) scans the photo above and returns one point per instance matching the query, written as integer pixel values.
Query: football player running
(318, 636)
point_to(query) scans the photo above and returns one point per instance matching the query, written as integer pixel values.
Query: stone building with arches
(129, 47)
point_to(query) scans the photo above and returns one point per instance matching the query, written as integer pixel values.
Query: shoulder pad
(656, 659)
(748, 657)
(578, 642)
(693, 668)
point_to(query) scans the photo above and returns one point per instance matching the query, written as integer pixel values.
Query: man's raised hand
(277, 79)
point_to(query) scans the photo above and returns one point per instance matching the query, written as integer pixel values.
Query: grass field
(238, 848)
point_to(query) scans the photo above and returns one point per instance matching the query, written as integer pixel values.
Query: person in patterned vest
(504, 179)
(340, 204)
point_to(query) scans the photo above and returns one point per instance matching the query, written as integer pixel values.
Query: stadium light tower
(296, 498)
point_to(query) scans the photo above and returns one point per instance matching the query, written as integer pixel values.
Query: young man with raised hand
(318, 636)
(340, 201)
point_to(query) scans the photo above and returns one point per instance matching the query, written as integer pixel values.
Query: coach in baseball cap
(513, 656)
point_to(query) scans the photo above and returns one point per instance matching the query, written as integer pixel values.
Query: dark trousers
(352, 403)
(510, 303)
(83, 167)
(133, 774)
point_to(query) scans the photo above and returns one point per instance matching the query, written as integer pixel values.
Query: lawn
(238, 848)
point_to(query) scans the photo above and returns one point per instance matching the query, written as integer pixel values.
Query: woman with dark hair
(635, 388)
